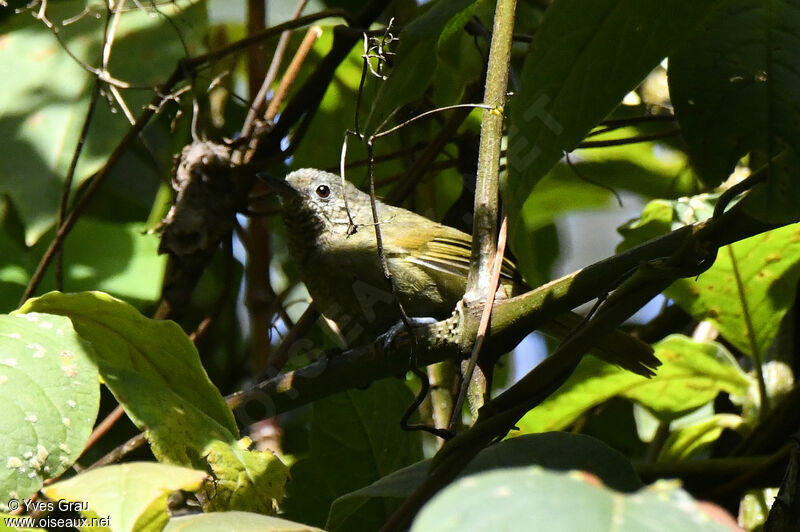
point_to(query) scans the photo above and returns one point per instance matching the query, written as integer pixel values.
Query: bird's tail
(617, 347)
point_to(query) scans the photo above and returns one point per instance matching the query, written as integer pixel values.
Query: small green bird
(332, 239)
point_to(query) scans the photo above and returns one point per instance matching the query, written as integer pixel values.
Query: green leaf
(577, 71)
(238, 521)
(748, 289)
(646, 168)
(553, 450)
(127, 265)
(691, 374)
(154, 371)
(246, 479)
(43, 110)
(357, 432)
(49, 396)
(734, 85)
(564, 501)
(154, 350)
(687, 441)
(131, 497)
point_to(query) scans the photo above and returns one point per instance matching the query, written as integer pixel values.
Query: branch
(484, 236)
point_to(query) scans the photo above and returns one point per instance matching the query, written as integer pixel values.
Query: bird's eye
(323, 191)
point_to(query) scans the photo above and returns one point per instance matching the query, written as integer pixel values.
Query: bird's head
(311, 196)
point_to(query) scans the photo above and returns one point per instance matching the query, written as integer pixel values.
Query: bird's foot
(388, 338)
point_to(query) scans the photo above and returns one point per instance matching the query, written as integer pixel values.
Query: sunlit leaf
(691, 374)
(154, 371)
(239, 521)
(748, 289)
(687, 441)
(129, 497)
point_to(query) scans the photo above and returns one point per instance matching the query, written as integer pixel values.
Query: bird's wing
(448, 252)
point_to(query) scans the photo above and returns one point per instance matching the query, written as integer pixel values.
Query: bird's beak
(278, 185)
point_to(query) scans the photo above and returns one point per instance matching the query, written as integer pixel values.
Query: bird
(331, 237)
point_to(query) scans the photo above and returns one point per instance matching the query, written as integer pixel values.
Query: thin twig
(101, 73)
(111, 33)
(292, 70)
(391, 156)
(109, 30)
(103, 427)
(574, 168)
(118, 452)
(280, 356)
(422, 163)
(259, 101)
(67, 188)
(428, 113)
(497, 266)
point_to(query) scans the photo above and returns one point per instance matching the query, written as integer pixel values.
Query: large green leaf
(584, 58)
(129, 497)
(49, 395)
(643, 168)
(154, 371)
(691, 374)
(748, 289)
(124, 340)
(356, 432)
(734, 86)
(553, 450)
(751, 284)
(42, 111)
(513, 499)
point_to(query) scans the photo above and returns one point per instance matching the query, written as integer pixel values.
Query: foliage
(167, 289)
